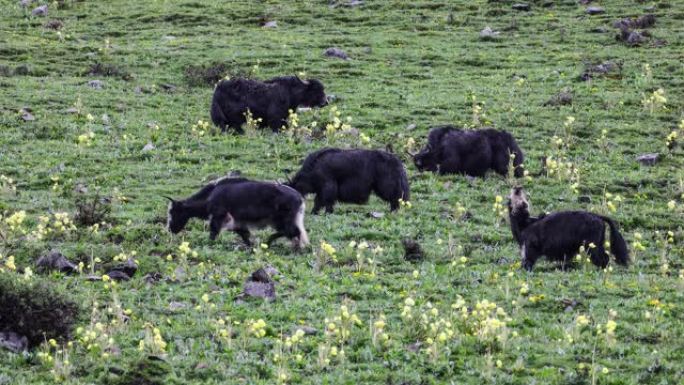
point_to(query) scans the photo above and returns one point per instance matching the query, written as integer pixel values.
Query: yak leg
(328, 196)
(215, 225)
(244, 234)
(530, 254)
(598, 255)
(273, 237)
(277, 124)
(387, 191)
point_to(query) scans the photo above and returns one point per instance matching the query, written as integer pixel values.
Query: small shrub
(33, 309)
(111, 70)
(92, 209)
(209, 74)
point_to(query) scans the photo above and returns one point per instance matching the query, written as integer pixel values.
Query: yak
(452, 150)
(240, 204)
(349, 176)
(270, 101)
(560, 235)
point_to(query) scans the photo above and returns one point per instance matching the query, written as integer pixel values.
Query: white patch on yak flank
(229, 222)
(523, 252)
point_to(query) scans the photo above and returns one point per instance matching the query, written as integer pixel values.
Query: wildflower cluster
(200, 128)
(153, 342)
(325, 254)
(8, 184)
(338, 330)
(611, 201)
(378, 335)
(655, 101)
(335, 122)
(500, 210)
(252, 124)
(56, 357)
(671, 139)
(364, 262)
(7, 263)
(256, 328)
(86, 139)
(14, 222)
(438, 330)
(52, 226)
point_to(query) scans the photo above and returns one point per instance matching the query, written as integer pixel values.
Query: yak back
(437, 134)
(565, 228)
(335, 162)
(204, 192)
(252, 200)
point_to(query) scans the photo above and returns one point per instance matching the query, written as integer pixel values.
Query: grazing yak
(350, 176)
(452, 150)
(559, 235)
(269, 101)
(240, 204)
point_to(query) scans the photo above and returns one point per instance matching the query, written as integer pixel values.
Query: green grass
(418, 62)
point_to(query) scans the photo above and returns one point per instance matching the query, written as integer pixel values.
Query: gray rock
(151, 278)
(118, 275)
(259, 285)
(595, 10)
(270, 24)
(648, 159)
(129, 268)
(584, 199)
(376, 214)
(40, 11)
(13, 342)
(336, 52)
(27, 116)
(173, 306)
(148, 147)
(96, 84)
(521, 7)
(411, 127)
(54, 260)
(487, 34)
(25, 3)
(563, 98)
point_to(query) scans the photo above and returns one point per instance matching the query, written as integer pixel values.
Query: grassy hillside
(466, 313)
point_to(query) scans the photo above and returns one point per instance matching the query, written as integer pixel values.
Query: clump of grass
(109, 70)
(33, 309)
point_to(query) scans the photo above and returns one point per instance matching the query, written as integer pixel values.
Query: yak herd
(342, 175)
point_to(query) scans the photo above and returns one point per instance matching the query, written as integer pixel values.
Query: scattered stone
(148, 147)
(173, 306)
(595, 10)
(376, 214)
(521, 7)
(569, 305)
(201, 365)
(642, 22)
(584, 199)
(414, 347)
(96, 84)
(631, 38)
(259, 285)
(331, 98)
(152, 278)
(585, 2)
(412, 250)
(13, 342)
(54, 260)
(345, 3)
(118, 276)
(25, 3)
(563, 98)
(271, 271)
(648, 159)
(168, 87)
(411, 127)
(22, 70)
(40, 11)
(605, 68)
(129, 268)
(336, 52)
(270, 24)
(54, 24)
(26, 114)
(488, 34)
(308, 330)
(72, 110)
(599, 30)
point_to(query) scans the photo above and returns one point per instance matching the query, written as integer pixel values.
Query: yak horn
(412, 154)
(171, 199)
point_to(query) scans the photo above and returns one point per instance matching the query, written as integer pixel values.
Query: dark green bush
(34, 309)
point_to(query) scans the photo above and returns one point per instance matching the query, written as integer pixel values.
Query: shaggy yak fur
(350, 176)
(269, 101)
(239, 204)
(559, 235)
(452, 150)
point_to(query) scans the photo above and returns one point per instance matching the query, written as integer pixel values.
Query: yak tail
(618, 246)
(404, 184)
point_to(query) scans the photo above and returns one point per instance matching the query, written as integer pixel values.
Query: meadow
(85, 164)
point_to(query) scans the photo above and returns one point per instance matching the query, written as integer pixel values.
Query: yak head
(426, 159)
(311, 93)
(517, 201)
(178, 216)
(301, 183)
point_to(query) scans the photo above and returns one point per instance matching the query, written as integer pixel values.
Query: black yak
(269, 101)
(560, 235)
(350, 176)
(240, 204)
(451, 150)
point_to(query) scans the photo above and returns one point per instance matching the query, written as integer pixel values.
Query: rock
(593, 10)
(412, 250)
(22, 70)
(148, 147)
(129, 268)
(72, 110)
(584, 199)
(414, 347)
(563, 98)
(168, 87)
(54, 24)
(521, 7)
(487, 34)
(40, 11)
(25, 3)
(13, 342)
(271, 271)
(330, 98)
(201, 365)
(118, 275)
(26, 114)
(259, 285)
(345, 3)
(308, 330)
(642, 22)
(54, 260)
(648, 159)
(96, 84)
(635, 38)
(605, 68)
(336, 52)
(376, 214)
(270, 24)
(411, 127)
(173, 306)
(151, 278)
